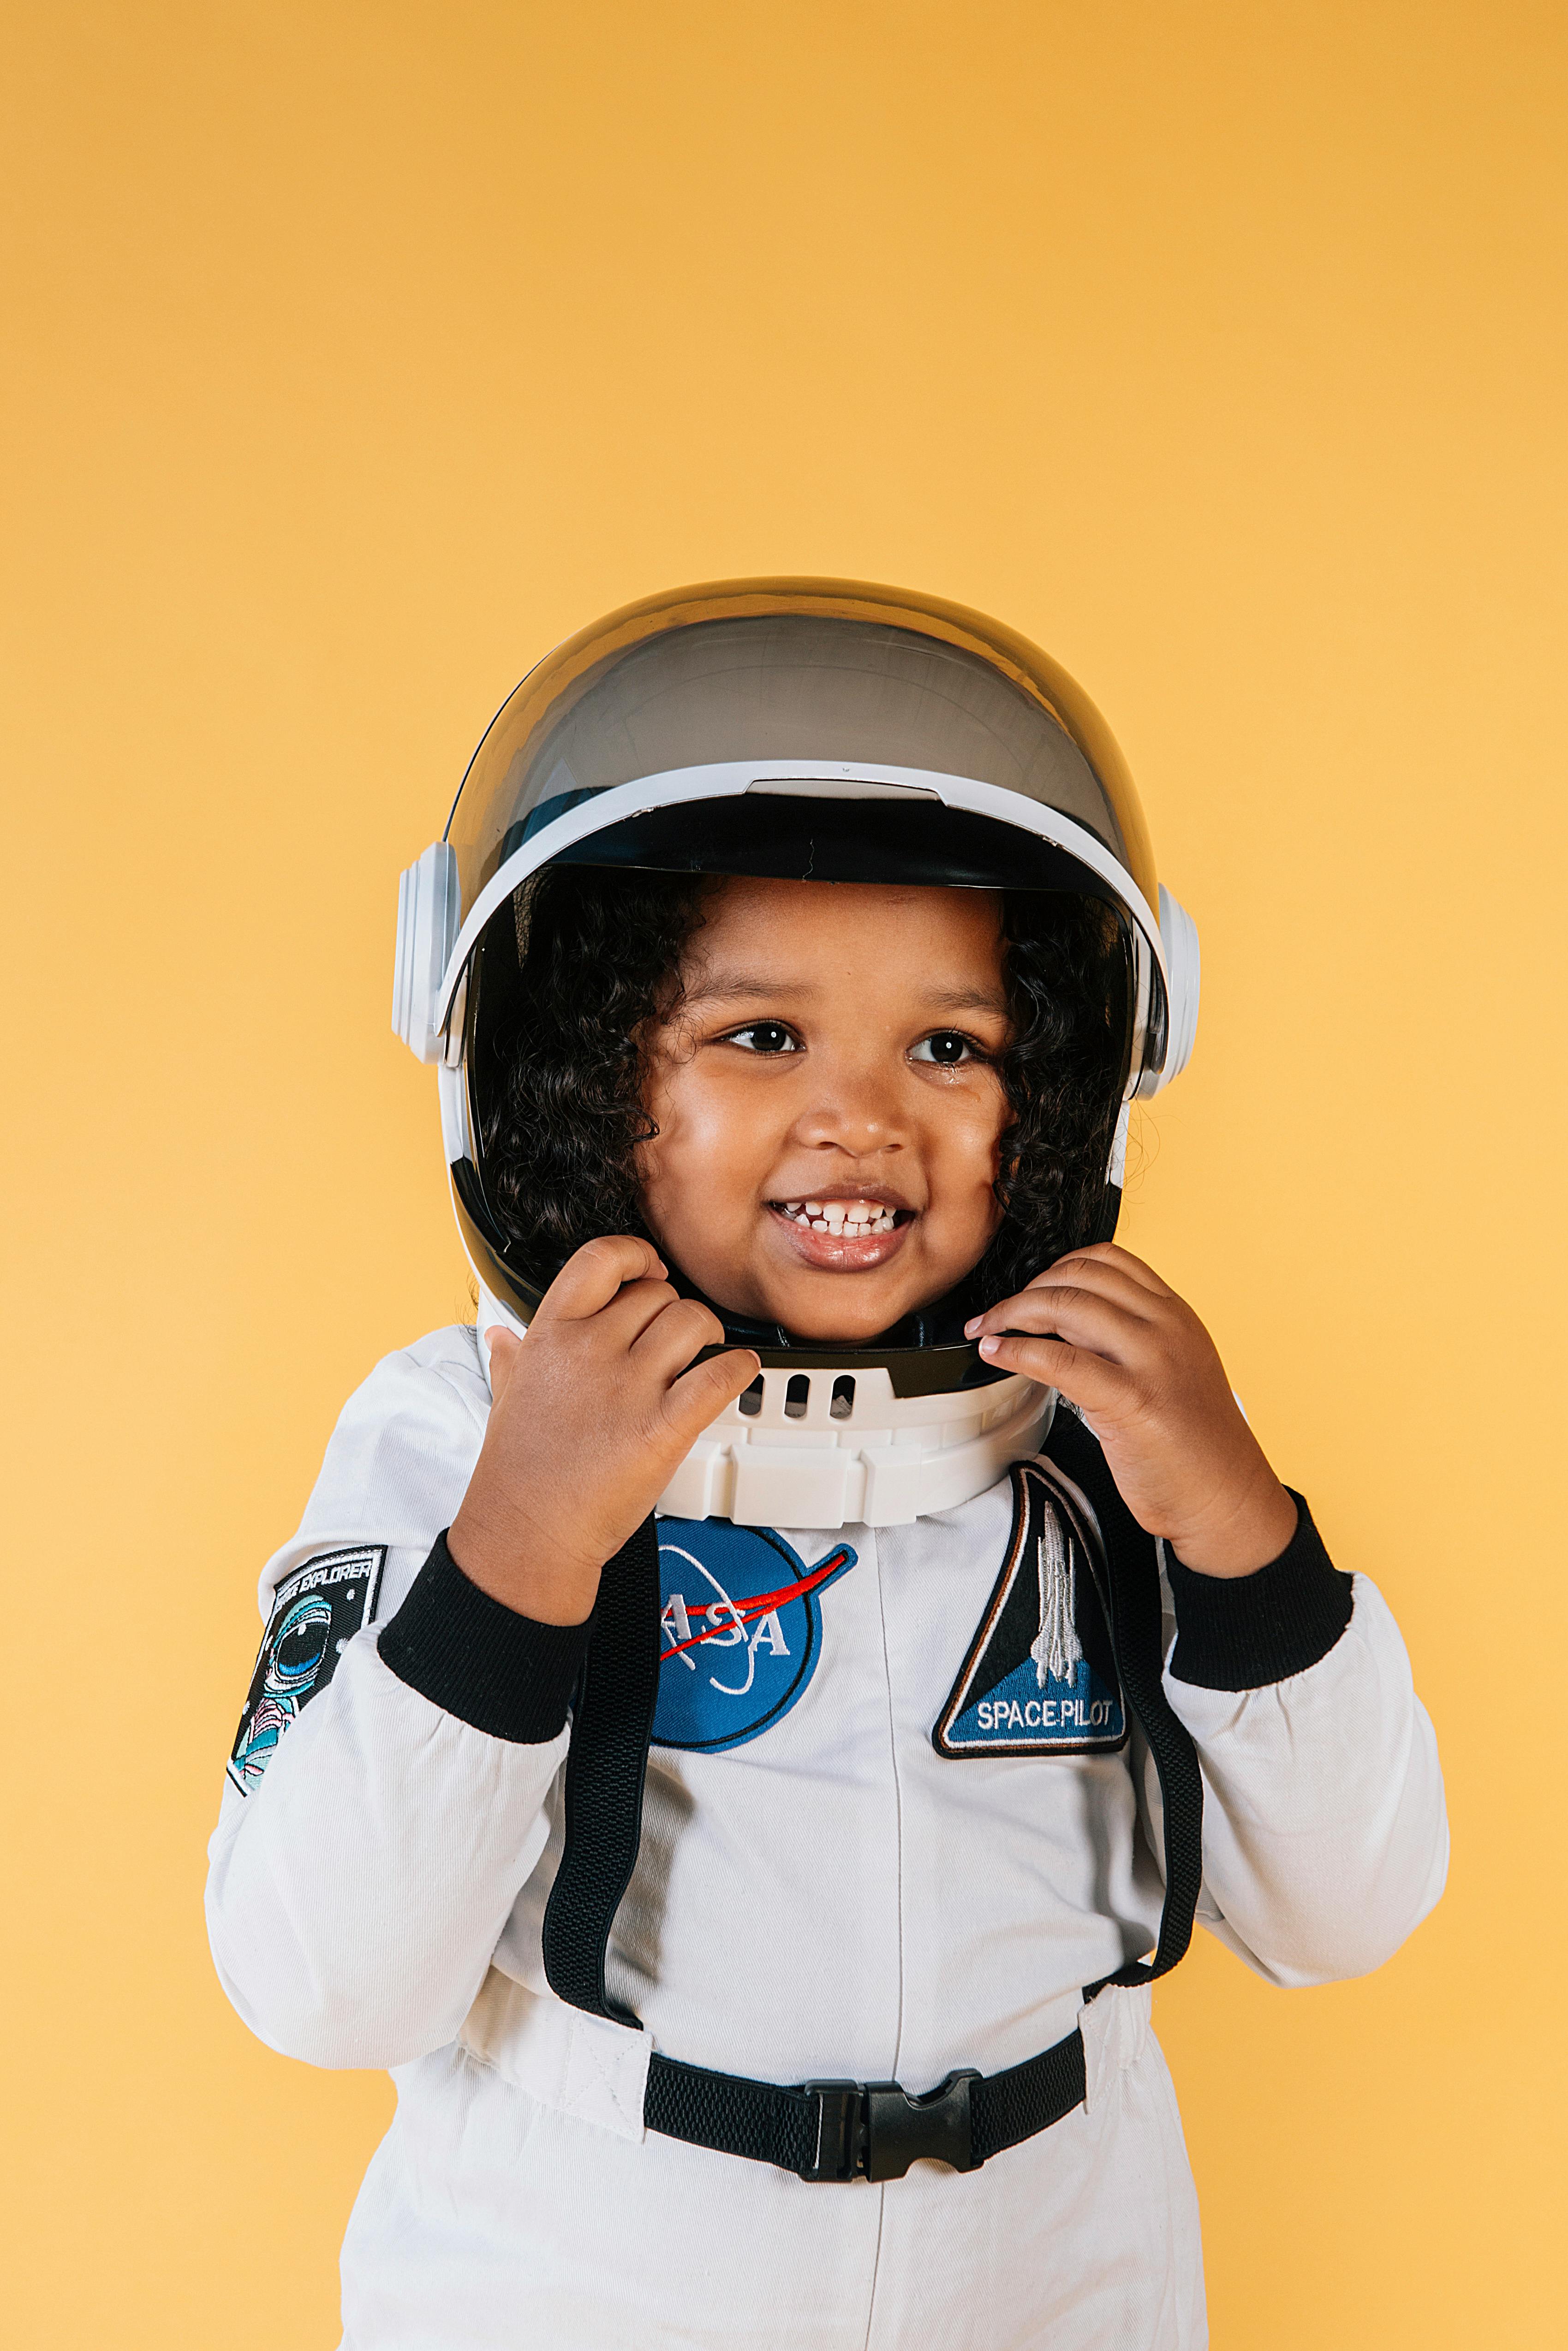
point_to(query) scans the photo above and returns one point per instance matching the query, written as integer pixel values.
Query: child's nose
(859, 1107)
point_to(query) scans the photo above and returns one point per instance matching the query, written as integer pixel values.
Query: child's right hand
(593, 1412)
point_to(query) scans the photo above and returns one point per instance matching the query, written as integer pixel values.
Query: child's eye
(764, 1036)
(946, 1048)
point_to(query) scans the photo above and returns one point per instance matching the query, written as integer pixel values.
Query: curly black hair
(598, 957)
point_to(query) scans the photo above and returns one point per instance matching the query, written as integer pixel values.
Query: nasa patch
(315, 1611)
(1040, 1675)
(741, 1630)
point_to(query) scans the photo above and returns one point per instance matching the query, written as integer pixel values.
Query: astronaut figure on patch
(741, 1731)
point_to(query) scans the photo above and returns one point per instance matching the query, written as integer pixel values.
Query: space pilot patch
(1040, 1675)
(740, 1630)
(315, 1611)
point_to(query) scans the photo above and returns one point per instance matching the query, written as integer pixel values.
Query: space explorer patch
(740, 1630)
(315, 1611)
(1040, 1675)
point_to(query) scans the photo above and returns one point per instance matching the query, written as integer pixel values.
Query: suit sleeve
(1325, 1837)
(378, 1825)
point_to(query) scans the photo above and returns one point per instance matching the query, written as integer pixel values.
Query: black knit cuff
(476, 1659)
(1243, 1632)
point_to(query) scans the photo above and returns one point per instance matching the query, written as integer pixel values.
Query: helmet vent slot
(751, 1402)
(796, 1395)
(843, 1402)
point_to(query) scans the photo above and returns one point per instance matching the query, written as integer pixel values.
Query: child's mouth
(853, 1220)
(849, 1235)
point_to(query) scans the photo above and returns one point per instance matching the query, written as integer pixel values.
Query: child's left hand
(1115, 1341)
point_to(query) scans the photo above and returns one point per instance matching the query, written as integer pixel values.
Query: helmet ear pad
(1183, 967)
(1184, 971)
(1110, 1209)
(429, 916)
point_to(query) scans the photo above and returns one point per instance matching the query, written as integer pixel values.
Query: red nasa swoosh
(761, 1603)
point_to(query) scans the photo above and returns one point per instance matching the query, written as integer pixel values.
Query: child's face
(831, 1066)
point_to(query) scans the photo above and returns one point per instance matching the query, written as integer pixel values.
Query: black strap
(613, 1721)
(1012, 2106)
(865, 2130)
(1133, 1594)
(731, 2114)
(845, 2130)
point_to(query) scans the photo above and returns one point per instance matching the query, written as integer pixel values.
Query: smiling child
(740, 1733)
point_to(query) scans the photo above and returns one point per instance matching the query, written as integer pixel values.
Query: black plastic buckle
(875, 2130)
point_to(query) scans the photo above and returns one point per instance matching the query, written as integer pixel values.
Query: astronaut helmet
(796, 729)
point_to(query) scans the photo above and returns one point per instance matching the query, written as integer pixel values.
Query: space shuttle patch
(1040, 1675)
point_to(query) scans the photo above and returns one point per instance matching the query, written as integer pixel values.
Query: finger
(631, 1310)
(673, 1337)
(1083, 1276)
(503, 1345)
(707, 1388)
(1107, 1253)
(1107, 1282)
(591, 1276)
(1077, 1373)
(1081, 1319)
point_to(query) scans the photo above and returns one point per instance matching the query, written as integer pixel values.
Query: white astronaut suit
(902, 1812)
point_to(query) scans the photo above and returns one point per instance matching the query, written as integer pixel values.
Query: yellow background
(359, 352)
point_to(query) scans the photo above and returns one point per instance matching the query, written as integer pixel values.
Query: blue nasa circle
(740, 1630)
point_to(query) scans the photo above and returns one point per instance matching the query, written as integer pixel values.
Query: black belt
(865, 2130)
(852, 2130)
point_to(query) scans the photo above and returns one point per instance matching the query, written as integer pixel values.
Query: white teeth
(847, 1220)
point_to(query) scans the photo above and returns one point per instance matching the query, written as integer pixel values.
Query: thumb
(503, 1345)
(699, 1395)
